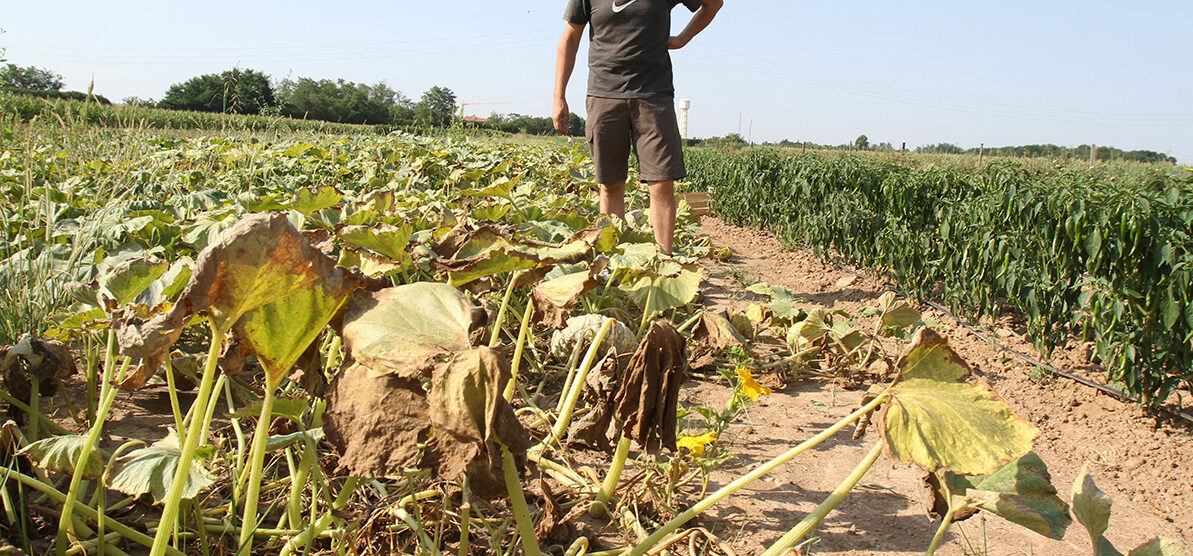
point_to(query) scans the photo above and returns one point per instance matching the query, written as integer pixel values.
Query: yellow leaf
(749, 386)
(695, 444)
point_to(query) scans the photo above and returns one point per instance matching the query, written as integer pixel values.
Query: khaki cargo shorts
(648, 125)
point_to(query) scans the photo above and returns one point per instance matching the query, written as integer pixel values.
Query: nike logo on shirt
(617, 9)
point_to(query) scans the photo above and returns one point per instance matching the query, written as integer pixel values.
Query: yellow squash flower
(695, 444)
(749, 386)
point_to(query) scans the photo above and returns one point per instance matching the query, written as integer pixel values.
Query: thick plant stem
(573, 395)
(646, 312)
(174, 406)
(703, 505)
(808, 524)
(299, 482)
(256, 465)
(523, 332)
(65, 525)
(174, 495)
(109, 523)
(324, 521)
(601, 506)
(495, 339)
(530, 543)
(939, 536)
(465, 517)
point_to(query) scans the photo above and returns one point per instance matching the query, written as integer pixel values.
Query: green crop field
(367, 342)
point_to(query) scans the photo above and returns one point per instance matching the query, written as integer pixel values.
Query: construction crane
(462, 105)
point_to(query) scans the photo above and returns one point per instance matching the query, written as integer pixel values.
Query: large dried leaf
(258, 260)
(405, 330)
(151, 470)
(1020, 492)
(598, 428)
(61, 454)
(39, 359)
(648, 398)
(554, 298)
(472, 420)
(281, 331)
(712, 335)
(376, 422)
(935, 421)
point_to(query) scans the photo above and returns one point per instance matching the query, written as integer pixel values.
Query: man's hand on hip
(560, 115)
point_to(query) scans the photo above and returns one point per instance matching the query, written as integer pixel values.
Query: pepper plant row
(1106, 253)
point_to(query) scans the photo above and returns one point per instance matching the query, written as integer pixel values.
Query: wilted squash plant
(437, 334)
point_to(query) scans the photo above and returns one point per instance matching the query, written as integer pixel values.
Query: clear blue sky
(1010, 72)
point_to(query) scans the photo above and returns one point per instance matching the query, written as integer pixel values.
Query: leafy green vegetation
(1103, 252)
(388, 339)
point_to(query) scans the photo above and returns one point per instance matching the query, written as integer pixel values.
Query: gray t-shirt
(627, 52)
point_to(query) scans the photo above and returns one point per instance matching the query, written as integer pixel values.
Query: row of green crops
(1107, 252)
(82, 113)
(387, 338)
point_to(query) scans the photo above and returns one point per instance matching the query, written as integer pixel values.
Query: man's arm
(565, 62)
(699, 21)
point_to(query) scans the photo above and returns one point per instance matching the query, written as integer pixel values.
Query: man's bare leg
(662, 212)
(612, 199)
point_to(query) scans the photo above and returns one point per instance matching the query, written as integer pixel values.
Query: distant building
(476, 119)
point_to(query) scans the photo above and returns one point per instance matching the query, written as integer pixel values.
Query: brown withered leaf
(376, 421)
(597, 428)
(648, 399)
(553, 527)
(472, 420)
(308, 372)
(712, 335)
(259, 259)
(46, 361)
(554, 299)
(234, 357)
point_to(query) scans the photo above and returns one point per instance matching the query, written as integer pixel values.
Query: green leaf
(315, 199)
(405, 329)
(635, 256)
(897, 313)
(383, 239)
(279, 442)
(663, 293)
(1170, 310)
(290, 408)
(259, 260)
(1091, 507)
(1020, 492)
(782, 300)
(150, 470)
(934, 421)
(124, 282)
(280, 332)
(61, 454)
(501, 187)
(1159, 547)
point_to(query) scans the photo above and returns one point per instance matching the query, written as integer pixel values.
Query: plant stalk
(256, 465)
(703, 505)
(808, 524)
(601, 506)
(938, 538)
(573, 395)
(495, 339)
(530, 543)
(523, 332)
(174, 494)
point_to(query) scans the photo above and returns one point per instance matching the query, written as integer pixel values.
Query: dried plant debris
(553, 299)
(46, 361)
(712, 335)
(648, 398)
(598, 428)
(376, 421)
(472, 421)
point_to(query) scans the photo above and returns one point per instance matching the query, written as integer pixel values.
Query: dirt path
(1143, 465)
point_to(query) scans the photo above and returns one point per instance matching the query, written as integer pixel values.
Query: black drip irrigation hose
(1028, 358)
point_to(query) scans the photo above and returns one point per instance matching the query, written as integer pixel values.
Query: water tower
(684, 105)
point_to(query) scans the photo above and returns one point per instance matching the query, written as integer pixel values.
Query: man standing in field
(631, 97)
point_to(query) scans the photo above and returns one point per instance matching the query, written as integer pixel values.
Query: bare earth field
(1143, 463)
